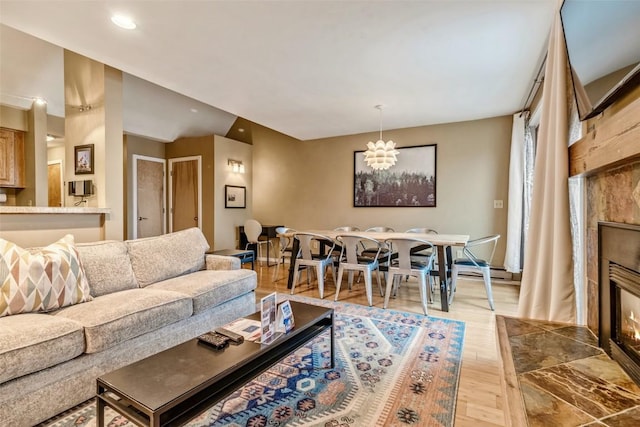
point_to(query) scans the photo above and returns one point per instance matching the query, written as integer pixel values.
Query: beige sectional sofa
(147, 295)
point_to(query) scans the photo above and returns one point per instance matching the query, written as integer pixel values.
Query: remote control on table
(236, 338)
(215, 340)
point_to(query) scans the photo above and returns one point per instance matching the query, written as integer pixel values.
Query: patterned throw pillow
(41, 280)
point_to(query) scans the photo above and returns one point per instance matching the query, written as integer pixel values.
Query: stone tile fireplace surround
(619, 312)
(612, 196)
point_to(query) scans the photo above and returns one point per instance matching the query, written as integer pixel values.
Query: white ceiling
(308, 69)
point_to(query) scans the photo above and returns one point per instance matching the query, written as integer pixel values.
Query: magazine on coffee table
(249, 329)
(268, 307)
(284, 320)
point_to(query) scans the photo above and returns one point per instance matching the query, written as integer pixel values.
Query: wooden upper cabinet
(11, 158)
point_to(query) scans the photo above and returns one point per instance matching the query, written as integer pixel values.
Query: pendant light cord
(379, 107)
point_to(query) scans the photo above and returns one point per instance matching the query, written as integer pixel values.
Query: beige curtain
(547, 290)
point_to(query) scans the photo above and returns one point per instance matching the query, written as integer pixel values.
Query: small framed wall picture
(235, 196)
(83, 157)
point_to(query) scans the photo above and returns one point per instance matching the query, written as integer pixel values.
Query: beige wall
(13, 118)
(84, 84)
(277, 166)
(55, 125)
(89, 82)
(36, 189)
(227, 220)
(310, 184)
(31, 230)
(113, 172)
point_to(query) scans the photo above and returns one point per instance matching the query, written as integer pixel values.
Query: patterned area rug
(392, 368)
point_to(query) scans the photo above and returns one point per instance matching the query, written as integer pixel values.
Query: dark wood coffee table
(173, 386)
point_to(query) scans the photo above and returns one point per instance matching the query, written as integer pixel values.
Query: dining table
(442, 242)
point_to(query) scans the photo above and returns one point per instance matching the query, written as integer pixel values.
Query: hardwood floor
(480, 399)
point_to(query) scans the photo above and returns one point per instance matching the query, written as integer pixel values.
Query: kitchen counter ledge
(52, 210)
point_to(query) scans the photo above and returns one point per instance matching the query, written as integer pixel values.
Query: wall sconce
(236, 166)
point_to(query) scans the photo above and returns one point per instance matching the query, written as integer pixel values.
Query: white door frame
(134, 208)
(59, 162)
(185, 159)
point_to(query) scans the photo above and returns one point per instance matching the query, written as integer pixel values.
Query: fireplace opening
(619, 282)
(628, 329)
(625, 311)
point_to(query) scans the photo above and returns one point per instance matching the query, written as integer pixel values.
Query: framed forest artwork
(411, 182)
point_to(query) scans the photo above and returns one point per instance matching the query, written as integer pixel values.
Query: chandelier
(381, 155)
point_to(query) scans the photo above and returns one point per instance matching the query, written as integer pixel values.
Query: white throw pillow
(42, 279)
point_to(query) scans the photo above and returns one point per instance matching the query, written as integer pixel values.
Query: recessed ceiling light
(194, 110)
(240, 130)
(123, 22)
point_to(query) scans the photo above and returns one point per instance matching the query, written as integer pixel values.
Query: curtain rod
(536, 82)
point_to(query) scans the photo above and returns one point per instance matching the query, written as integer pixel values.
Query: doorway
(149, 194)
(55, 183)
(185, 193)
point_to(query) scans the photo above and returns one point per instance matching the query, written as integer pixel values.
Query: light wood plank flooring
(480, 399)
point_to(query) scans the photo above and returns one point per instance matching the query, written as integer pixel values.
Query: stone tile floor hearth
(556, 375)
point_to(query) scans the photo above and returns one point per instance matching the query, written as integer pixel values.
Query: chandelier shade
(381, 155)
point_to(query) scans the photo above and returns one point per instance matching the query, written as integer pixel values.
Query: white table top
(435, 239)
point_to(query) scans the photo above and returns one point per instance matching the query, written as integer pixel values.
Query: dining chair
(422, 230)
(425, 253)
(253, 230)
(403, 265)
(371, 251)
(380, 229)
(352, 261)
(285, 238)
(346, 228)
(471, 263)
(308, 260)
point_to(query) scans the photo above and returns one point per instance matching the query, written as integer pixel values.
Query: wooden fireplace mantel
(614, 141)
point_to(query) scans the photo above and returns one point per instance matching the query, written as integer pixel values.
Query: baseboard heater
(496, 273)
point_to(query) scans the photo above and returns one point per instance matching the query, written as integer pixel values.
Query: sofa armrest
(221, 262)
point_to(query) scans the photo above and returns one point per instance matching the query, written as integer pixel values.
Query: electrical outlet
(458, 254)
(314, 244)
(497, 204)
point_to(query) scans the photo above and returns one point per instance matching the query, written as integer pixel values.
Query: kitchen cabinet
(11, 158)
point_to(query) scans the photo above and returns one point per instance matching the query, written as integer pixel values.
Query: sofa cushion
(41, 279)
(209, 288)
(107, 266)
(222, 262)
(162, 257)
(34, 341)
(114, 318)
